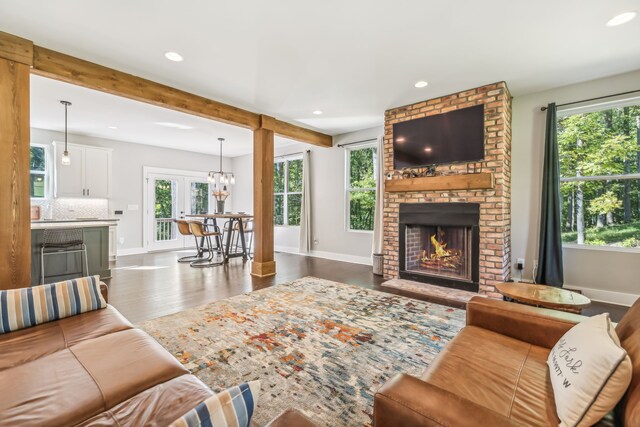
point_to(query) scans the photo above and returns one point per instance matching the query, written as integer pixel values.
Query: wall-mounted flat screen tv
(456, 136)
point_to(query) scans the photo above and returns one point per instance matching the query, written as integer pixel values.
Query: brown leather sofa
(494, 372)
(93, 369)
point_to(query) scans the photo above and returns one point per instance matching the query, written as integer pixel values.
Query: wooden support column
(16, 56)
(263, 264)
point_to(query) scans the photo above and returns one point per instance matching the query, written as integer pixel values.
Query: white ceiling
(92, 112)
(351, 59)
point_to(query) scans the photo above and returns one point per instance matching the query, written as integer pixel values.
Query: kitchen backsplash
(73, 208)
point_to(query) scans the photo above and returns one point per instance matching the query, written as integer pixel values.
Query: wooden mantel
(470, 181)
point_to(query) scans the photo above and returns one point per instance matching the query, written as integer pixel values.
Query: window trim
(591, 107)
(347, 183)
(285, 204)
(46, 173)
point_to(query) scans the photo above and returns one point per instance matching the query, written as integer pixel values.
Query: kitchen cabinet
(64, 266)
(88, 175)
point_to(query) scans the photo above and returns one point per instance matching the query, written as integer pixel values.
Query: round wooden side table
(544, 296)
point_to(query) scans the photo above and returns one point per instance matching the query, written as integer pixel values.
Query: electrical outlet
(316, 241)
(520, 264)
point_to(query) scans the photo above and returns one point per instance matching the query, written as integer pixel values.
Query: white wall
(331, 239)
(128, 160)
(604, 274)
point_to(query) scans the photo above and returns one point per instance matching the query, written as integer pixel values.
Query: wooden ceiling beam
(17, 49)
(66, 68)
(297, 133)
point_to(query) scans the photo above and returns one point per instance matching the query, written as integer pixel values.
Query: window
(287, 187)
(38, 176)
(599, 151)
(199, 198)
(361, 187)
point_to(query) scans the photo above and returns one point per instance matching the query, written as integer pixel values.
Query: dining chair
(199, 230)
(183, 228)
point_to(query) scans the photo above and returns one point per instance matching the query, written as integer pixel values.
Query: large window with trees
(361, 187)
(599, 150)
(38, 175)
(287, 187)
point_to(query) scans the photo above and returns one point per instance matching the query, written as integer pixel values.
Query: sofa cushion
(590, 371)
(29, 344)
(27, 307)
(85, 379)
(500, 373)
(158, 406)
(54, 390)
(231, 407)
(628, 331)
(125, 363)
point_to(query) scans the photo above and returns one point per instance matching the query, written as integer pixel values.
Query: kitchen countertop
(73, 223)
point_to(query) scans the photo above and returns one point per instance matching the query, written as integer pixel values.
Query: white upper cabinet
(97, 177)
(88, 175)
(68, 182)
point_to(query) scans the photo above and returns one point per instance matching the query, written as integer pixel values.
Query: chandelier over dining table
(220, 182)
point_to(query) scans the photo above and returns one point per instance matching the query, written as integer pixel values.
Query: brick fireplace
(478, 269)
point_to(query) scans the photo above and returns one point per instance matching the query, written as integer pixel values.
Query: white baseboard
(131, 251)
(287, 250)
(611, 297)
(328, 255)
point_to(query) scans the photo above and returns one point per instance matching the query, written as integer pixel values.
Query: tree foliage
(287, 186)
(600, 143)
(362, 183)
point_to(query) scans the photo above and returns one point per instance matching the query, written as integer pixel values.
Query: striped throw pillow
(232, 407)
(27, 307)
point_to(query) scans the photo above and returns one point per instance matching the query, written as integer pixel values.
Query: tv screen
(456, 136)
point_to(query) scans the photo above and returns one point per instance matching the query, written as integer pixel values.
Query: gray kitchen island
(65, 266)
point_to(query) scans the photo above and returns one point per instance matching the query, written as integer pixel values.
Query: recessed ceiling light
(317, 112)
(112, 127)
(427, 149)
(173, 125)
(421, 84)
(401, 139)
(173, 56)
(620, 19)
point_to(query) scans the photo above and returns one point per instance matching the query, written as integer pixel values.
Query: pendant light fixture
(221, 181)
(66, 160)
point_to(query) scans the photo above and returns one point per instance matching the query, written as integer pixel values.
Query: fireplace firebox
(439, 244)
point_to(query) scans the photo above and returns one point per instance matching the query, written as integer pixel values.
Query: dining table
(211, 220)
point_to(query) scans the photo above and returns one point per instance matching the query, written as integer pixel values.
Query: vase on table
(220, 206)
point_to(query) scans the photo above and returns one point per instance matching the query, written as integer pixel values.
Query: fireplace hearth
(439, 244)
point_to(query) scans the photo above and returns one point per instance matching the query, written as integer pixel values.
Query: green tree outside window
(361, 188)
(600, 176)
(287, 186)
(38, 174)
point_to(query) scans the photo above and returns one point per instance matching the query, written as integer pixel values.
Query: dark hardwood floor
(152, 285)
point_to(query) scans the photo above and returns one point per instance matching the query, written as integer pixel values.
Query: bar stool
(183, 228)
(198, 230)
(65, 241)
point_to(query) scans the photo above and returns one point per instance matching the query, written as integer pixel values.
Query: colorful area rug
(321, 347)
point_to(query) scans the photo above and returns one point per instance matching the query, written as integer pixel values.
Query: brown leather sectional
(93, 369)
(494, 372)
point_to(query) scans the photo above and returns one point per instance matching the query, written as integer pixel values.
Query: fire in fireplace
(439, 250)
(439, 243)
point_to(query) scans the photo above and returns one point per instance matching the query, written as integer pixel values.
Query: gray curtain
(378, 218)
(550, 243)
(305, 212)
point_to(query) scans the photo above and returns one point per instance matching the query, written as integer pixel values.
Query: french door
(171, 196)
